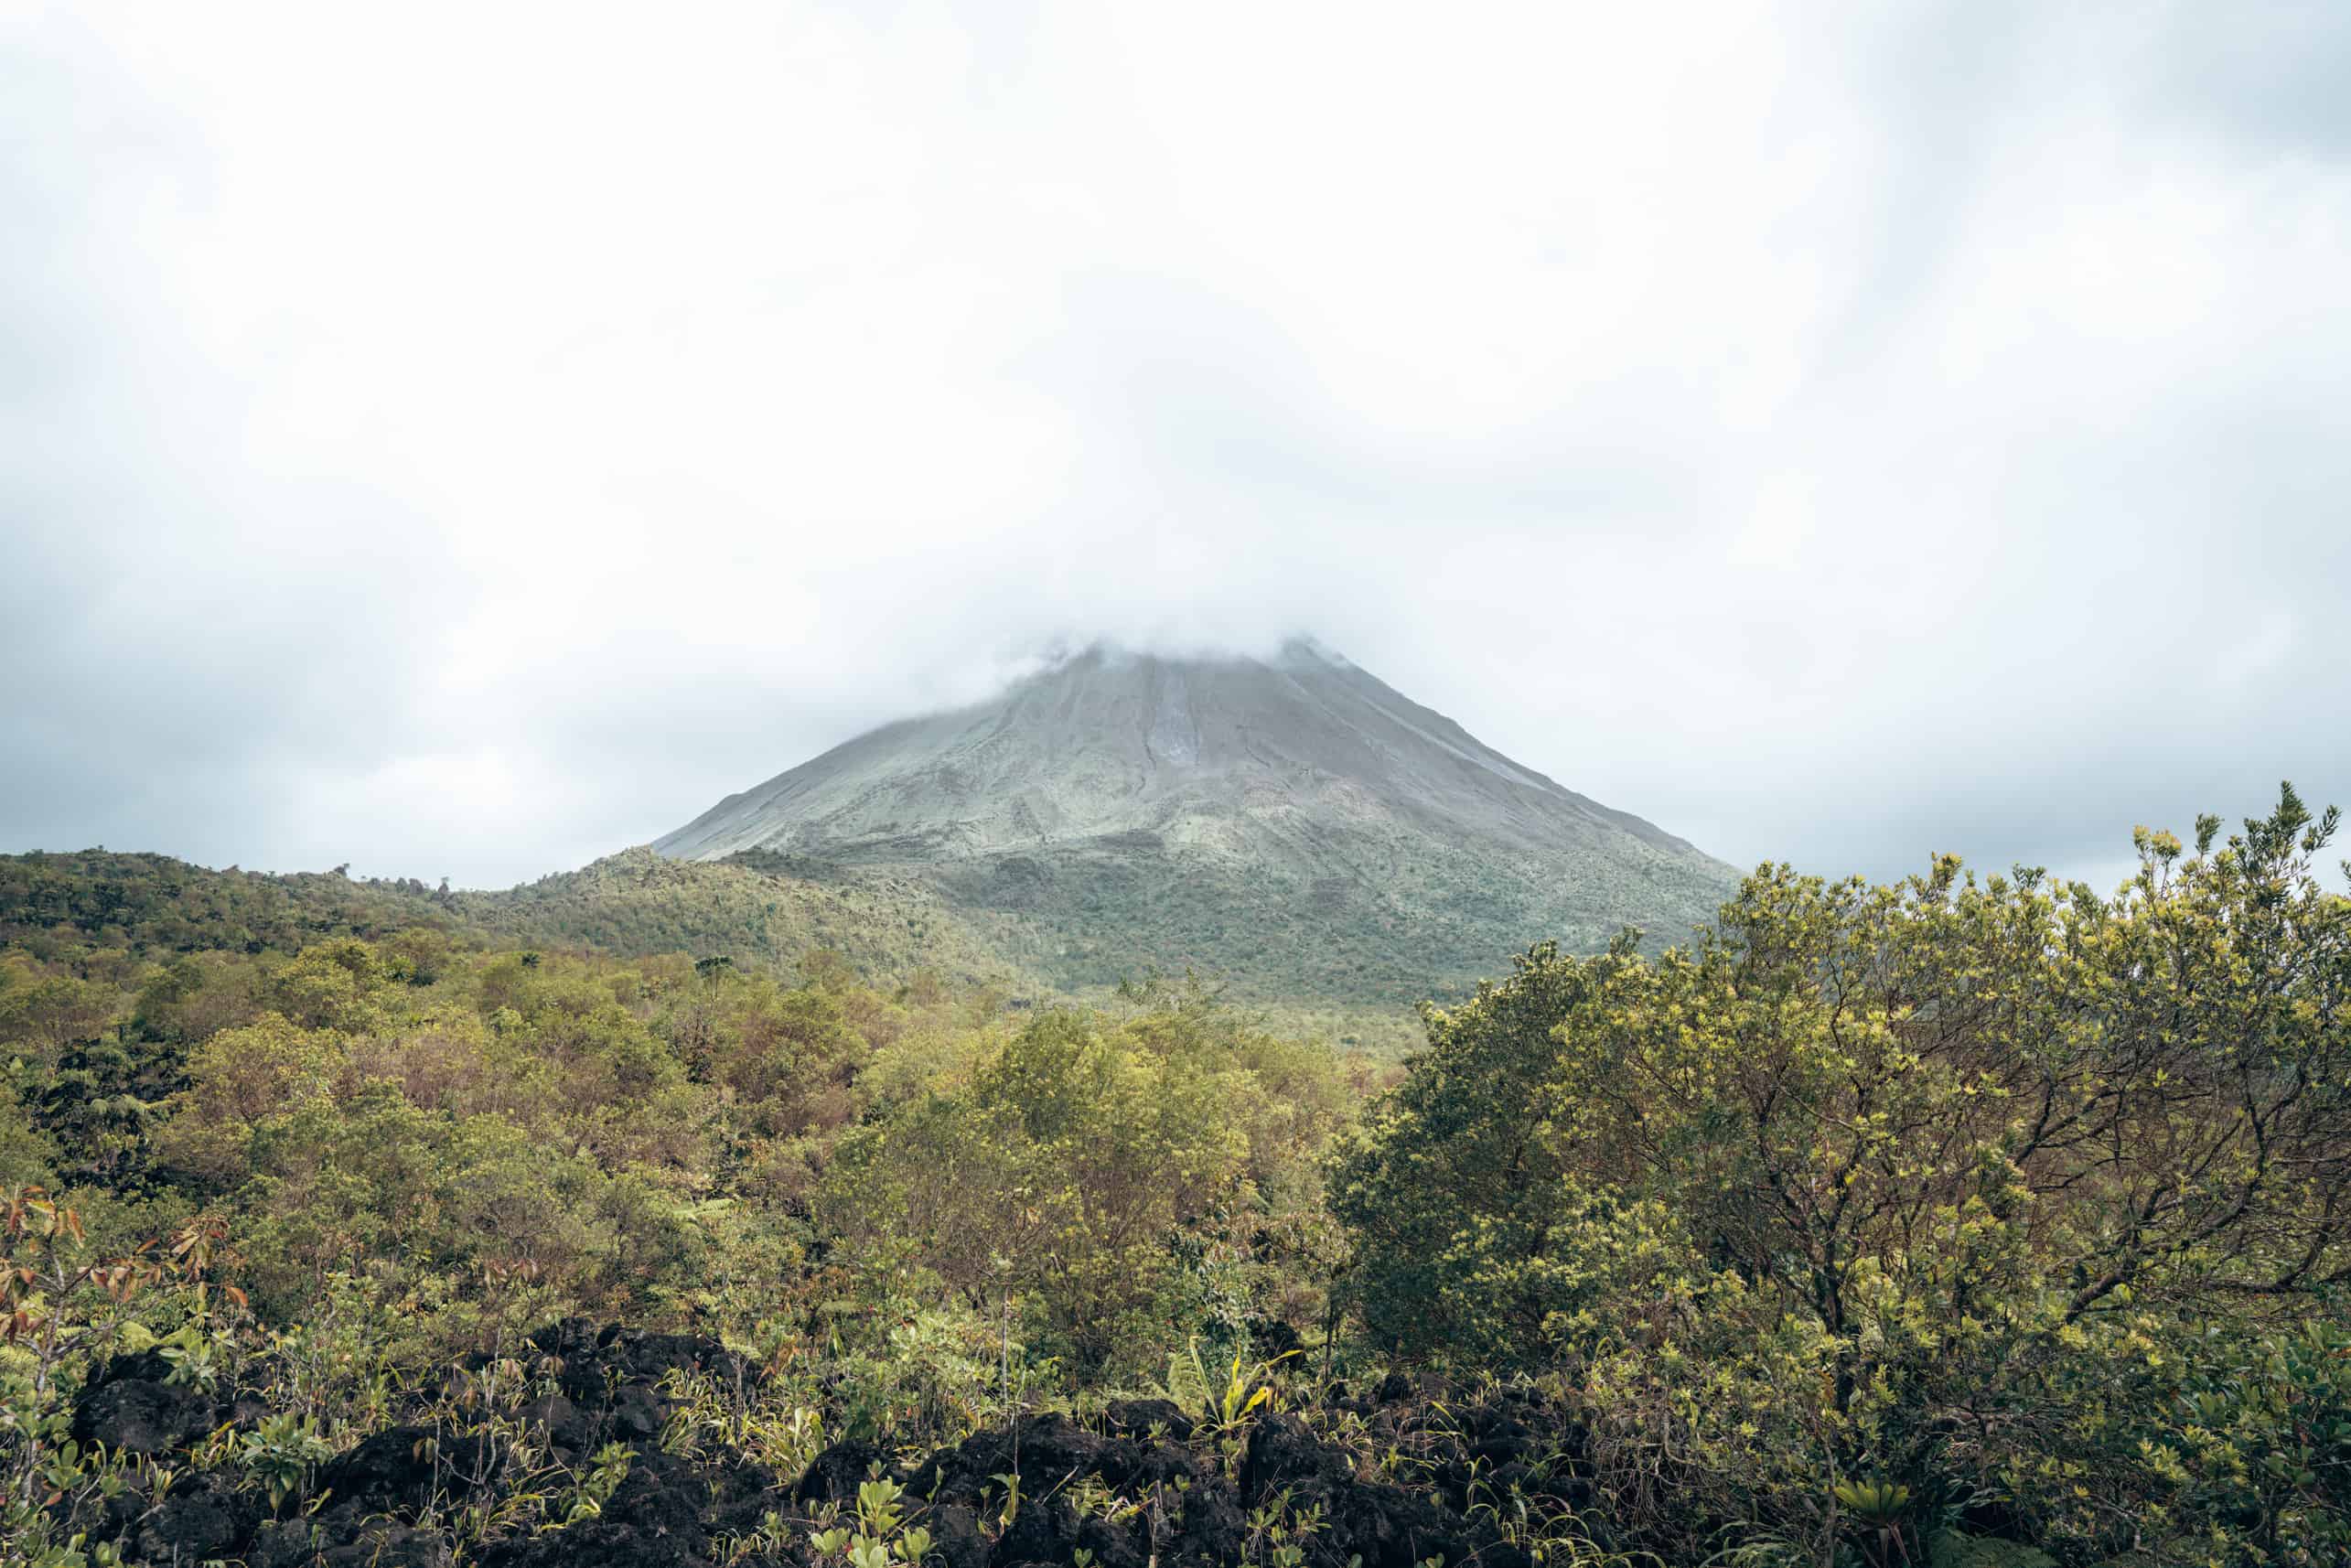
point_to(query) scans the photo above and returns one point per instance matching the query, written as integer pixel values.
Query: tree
(1059, 1174)
(1912, 1174)
(43, 1016)
(1449, 1173)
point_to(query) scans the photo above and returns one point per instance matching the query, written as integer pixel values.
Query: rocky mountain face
(1292, 825)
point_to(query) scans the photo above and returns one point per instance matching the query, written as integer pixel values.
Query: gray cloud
(470, 446)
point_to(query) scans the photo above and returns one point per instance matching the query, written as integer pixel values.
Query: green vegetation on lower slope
(152, 904)
(1408, 922)
(1949, 1223)
(638, 902)
(1349, 958)
(633, 903)
(761, 912)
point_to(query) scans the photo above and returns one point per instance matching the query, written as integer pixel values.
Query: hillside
(1292, 824)
(637, 902)
(153, 905)
(631, 904)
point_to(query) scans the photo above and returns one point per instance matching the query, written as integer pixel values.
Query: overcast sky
(465, 440)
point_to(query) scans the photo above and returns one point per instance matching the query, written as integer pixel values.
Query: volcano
(1290, 824)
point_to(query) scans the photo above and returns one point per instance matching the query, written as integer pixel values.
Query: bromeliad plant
(1878, 1512)
(1229, 1398)
(1229, 1402)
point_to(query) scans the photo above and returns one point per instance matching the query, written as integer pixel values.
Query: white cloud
(468, 440)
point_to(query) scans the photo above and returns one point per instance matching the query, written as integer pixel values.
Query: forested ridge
(1969, 1221)
(633, 902)
(758, 910)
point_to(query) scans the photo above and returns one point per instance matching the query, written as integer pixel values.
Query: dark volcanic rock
(132, 1407)
(321, 1543)
(832, 1476)
(385, 1502)
(201, 1518)
(1137, 1418)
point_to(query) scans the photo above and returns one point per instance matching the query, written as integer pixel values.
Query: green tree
(1059, 1175)
(43, 1016)
(1914, 1183)
(1451, 1180)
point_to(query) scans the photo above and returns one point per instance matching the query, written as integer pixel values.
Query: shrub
(1938, 1186)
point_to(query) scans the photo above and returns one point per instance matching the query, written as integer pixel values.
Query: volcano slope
(1290, 824)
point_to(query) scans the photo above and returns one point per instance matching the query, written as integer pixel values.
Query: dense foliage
(2011, 1203)
(756, 910)
(61, 906)
(431, 1144)
(1959, 1222)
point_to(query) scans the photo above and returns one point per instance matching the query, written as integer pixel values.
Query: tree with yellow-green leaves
(1968, 1188)
(1058, 1178)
